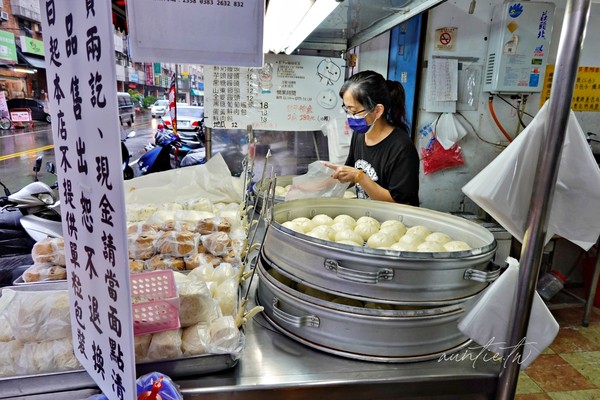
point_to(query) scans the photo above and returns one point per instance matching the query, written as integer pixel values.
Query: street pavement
(19, 148)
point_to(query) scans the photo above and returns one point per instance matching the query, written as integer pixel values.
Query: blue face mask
(359, 125)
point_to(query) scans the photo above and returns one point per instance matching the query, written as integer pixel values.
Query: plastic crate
(155, 302)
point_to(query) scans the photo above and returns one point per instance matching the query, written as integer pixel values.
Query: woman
(383, 162)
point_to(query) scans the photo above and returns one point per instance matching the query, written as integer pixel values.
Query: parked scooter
(169, 151)
(126, 157)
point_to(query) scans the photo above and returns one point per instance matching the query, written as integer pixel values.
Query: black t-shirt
(392, 163)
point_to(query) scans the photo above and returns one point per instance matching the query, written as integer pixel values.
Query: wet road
(20, 147)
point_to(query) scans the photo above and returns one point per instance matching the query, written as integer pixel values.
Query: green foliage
(135, 96)
(148, 101)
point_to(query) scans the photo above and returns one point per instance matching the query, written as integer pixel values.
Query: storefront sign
(133, 77)
(149, 74)
(157, 69)
(8, 49)
(32, 46)
(83, 103)
(20, 116)
(295, 93)
(231, 32)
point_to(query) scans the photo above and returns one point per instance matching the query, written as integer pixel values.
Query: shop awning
(196, 92)
(31, 61)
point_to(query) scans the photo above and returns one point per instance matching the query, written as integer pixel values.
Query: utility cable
(475, 130)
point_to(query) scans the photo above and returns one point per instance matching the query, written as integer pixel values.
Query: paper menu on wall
(442, 85)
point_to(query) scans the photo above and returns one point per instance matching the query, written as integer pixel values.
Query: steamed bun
(380, 239)
(346, 219)
(368, 220)
(419, 230)
(457, 245)
(322, 219)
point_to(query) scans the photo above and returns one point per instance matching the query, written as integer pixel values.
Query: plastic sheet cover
(504, 188)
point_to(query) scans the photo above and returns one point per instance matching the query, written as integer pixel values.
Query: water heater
(519, 44)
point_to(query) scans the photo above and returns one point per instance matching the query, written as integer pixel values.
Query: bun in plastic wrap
(141, 345)
(136, 266)
(196, 304)
(49, 250)
(44, 272)
(217, 243)
(194, 339)
(164, 262)
(141, 228)
(200, 204)
(47, 356)
(140, 247)
(165, 345)
(176, 244)
(210, 225)
(9, 357)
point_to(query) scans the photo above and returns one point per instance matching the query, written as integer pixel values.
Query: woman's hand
(344, 173)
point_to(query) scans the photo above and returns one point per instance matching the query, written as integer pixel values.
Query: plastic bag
(448, 130)
(504, 188)
(436, 158)
(317, 182)
(488, 321)
(225, 337)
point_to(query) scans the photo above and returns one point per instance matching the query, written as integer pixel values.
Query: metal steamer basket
(261, 186)
(379, 275)
(394, 336)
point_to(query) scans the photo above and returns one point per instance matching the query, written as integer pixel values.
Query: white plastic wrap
(317, 182)
(40, 315)
(225, 337)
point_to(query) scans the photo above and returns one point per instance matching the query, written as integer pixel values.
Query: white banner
(80, 58)
(224, 32)
(290, 93)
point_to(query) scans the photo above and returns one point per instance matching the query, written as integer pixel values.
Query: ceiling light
(288, 23)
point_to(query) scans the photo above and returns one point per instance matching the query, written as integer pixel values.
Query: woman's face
(353, 107)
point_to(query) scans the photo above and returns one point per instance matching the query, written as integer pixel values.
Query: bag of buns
(44, 272)
(176, 244)
(49, 250)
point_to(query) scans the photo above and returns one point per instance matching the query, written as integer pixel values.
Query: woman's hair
(370, 88)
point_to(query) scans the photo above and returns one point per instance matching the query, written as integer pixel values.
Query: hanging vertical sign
(173, 102)
(231, 32)
(80, 56)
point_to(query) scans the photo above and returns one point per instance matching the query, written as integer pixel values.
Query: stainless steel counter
(273, 366)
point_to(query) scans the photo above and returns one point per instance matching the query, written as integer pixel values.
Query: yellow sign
(586, 93)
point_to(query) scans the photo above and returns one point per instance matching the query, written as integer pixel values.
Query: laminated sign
(80, 57)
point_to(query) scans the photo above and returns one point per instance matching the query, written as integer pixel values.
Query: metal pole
(569, 48)
(208, 142)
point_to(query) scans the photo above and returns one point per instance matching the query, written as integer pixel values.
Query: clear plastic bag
(436, 158)
(317, 182)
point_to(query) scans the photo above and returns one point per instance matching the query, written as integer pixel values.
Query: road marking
(22, 153)
(24, 133)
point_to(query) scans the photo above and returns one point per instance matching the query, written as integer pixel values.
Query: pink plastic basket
(155, 302)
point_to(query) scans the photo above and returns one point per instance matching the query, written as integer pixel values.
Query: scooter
(167, 152)
(126, 157)
(33, 211)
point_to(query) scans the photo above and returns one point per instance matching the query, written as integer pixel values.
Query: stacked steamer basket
(374, 304)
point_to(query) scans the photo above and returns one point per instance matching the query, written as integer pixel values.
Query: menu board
(289, 93)
(80, 60)
(586, 93)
